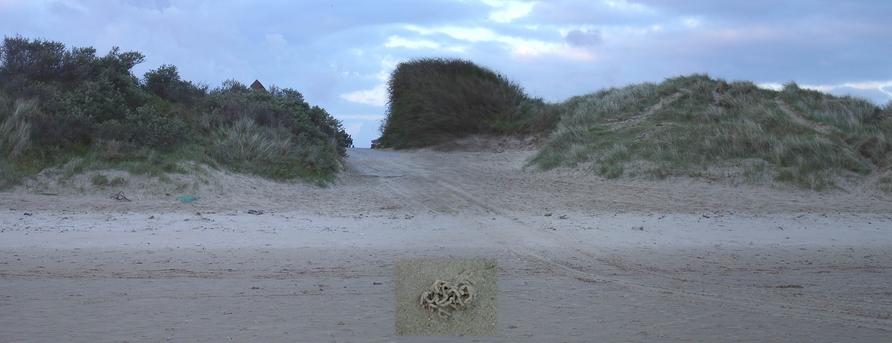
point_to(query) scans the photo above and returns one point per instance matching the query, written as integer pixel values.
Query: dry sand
(580, 258)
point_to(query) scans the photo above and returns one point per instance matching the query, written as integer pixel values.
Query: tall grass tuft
(15, 130)
(247, 141)
(271, 152)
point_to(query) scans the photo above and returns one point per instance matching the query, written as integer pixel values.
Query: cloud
(626, 6)
(376, 96)
(420, 44)
(605, 12)
(692, 22)
(877, 91)
(508, 11)
(880, 92)
(579, 37)
(353, 129)
(518, 46)
(400, 42)
(771, 85)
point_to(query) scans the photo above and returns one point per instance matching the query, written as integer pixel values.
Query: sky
(339, 54)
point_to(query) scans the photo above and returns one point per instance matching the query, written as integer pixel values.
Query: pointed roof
(257, 86)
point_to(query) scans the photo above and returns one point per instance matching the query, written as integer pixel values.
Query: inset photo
(445, 297)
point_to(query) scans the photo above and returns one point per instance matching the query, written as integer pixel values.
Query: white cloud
(626, 6)
(536, 48)
(508, 11)
(468, 34)
(884, 87)
(400, 42)
(519, 47)
(376, 96)
(771, 85)
(692, 22)
(388, 64)
(419, 44)
(353, 129)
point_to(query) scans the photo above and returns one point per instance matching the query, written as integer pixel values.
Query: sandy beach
(580, 258)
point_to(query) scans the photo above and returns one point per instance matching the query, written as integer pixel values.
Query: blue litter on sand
(187, 199)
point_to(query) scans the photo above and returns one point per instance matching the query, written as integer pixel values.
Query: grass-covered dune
(435, 100)
(685, 126)
(69, 106)
(703, 127)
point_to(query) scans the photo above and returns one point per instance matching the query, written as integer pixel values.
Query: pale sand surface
(579, 258)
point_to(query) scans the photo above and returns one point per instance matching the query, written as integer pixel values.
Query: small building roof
(257, 86)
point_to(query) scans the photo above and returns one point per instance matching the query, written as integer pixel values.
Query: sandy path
(580, 258)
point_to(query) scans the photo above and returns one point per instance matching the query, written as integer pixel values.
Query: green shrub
(434, 100)
(57, 104)
(100, 100)
(61, 129)
(165, 82)
(36, 60)
(148, 127)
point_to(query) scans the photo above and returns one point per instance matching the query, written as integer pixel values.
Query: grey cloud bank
(340, 53)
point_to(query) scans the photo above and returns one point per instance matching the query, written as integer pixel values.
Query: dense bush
(434, 100)
(165, 83)
(58, 103)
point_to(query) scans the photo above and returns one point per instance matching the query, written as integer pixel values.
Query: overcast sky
(340, 53)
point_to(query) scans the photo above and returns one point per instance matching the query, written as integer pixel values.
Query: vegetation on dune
(685, 126)
(699, 126)
(69, 106)
(59, 105)
(435, 100)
